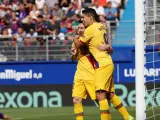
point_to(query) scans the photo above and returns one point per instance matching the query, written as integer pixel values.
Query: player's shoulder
(89, 29)
(99, 25)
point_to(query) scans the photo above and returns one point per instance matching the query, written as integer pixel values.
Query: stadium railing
(34, 49)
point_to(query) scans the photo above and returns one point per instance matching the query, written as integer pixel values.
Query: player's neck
(92, 22)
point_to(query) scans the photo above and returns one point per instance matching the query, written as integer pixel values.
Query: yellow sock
(78, 110)
(104, 110)
(119, 106)
(110, 118)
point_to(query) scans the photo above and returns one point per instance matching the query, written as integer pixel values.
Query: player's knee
(77, 100)
(100, 95)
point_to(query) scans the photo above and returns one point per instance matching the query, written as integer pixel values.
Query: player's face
(81, 29)
(86, 20)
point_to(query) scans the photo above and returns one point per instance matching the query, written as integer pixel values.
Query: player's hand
(7, 117)
(73, 51)
(76, 37)
(106, 47)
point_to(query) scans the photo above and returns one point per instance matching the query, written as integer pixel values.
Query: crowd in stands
(50, 17)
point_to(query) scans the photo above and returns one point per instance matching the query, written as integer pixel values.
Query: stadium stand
(125, 32)
(45, 29)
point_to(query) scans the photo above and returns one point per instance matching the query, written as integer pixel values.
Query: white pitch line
(17, 118)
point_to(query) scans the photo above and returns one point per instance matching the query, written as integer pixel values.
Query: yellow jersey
(85, 65)
(94, 36)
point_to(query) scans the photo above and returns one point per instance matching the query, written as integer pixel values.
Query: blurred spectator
(3, 8)
(30, 24)
(32, 47)
(19, 36)
(51, 4)
(8, 17)
(116, 4)
(111, 14)
(44, 12)
(71, 10)
(34, 13)
(71, 35)
(76, 3)
(41, 26)
(28, 7)
(63, 28)
(25, 2)
(101, 2)
(14, 5)
(32, 1)
(40, 4)
(68, 24)
(42, 29)
(99, 9)
(14, 23)
(4, 32)
(57, 11)
(4, 42)
(22, 12)
(64, 4)
(2, 23)
(87, 3)
(31, 38)
(59, 36)
(53, 25)
(75, 22)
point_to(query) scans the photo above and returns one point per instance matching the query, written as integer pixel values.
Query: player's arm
(106, 47)
(74, 53)
(77, 42)
(80, 41)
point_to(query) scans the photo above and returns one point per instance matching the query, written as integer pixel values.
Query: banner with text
(60, 95)
(63, 73)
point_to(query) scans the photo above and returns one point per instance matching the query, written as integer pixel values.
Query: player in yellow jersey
(84, 76)
(94, 36)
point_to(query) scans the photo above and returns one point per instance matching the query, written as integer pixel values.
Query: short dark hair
(40, 16)
(80, 21)
(91, 12)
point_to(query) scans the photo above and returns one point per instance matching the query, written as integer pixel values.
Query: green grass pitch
(64, 113)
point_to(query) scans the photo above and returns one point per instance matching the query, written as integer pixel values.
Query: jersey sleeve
(88, 34)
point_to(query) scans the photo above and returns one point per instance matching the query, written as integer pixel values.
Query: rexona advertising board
(25, 96)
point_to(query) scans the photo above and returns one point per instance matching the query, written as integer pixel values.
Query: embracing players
(94, 36)
(84, 76)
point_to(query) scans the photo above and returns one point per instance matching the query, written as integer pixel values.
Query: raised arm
(74, 52)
